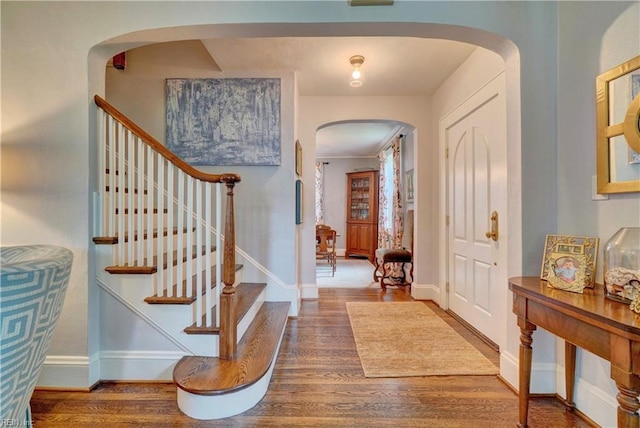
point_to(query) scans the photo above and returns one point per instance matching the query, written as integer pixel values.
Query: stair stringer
(168, 320)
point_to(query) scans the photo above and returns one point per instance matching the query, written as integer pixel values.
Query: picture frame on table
(558, 246)
(567, 272)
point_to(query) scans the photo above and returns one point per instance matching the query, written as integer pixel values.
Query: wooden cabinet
(362, 214)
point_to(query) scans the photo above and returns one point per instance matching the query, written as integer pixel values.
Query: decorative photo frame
(298, 159)
(567, 245)
(299, 194)
(409, 183)
(567, 272)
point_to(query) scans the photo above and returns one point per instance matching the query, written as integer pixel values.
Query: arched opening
(351, 147)
(429, 174)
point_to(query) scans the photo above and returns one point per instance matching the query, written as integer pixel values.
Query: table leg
(628, 407)
(526, 352)
(569, 372)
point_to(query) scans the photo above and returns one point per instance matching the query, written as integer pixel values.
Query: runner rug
(400, 339)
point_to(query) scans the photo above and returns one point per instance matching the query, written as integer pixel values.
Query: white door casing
(476, 146)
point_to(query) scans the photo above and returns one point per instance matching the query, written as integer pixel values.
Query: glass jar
(622, 264)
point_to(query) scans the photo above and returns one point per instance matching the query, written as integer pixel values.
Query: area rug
(400, 339)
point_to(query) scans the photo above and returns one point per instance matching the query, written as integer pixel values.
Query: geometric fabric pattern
(33, 283)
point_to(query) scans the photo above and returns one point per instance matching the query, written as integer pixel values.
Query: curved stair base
(212, 388)
(225, 405)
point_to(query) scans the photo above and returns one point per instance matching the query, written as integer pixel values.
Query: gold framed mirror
(618, 128)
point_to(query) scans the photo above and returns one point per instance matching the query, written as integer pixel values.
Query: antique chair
(326, 247)
(33, 283)
(386, 257)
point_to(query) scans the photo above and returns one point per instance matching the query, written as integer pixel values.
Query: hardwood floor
(318, 382)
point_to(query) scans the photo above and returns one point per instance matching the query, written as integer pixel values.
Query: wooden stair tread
(256, 351)
(146, 268)
(247, 293)
(131, 270)
(112, 240)
(184, 298)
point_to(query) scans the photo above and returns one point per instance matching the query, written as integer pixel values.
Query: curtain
(390, 224)
(319, 193)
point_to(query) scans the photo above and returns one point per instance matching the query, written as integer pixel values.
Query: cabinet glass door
(360, 195)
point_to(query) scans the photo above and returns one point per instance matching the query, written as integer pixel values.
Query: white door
(475, 138)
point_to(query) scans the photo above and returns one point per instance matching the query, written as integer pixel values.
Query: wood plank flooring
(318, 382)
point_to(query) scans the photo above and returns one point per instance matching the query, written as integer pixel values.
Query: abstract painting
(224, 121)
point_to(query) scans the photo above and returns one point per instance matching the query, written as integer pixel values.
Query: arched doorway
(428, 246)
(353, 147)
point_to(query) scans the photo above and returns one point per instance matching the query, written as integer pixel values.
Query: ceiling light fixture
(356, 75)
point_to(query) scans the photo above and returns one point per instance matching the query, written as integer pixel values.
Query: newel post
(228, 299)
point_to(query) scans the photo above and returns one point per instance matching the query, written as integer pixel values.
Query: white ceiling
(393, 66)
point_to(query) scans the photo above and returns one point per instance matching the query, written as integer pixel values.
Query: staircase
(160, 251)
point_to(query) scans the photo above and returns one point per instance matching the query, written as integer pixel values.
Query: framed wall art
(634, 91)
(224, 121)
(582, 250)
(618, 128)
(409, 184)
(298, 159)
(299, 199)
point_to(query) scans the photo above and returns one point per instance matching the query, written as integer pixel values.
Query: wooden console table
(604, 327)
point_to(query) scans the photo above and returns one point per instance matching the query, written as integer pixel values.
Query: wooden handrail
(161, 149)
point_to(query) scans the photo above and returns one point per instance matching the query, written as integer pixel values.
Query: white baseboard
(309, 291)
(598, 405)
(138, 365)
(509, 370)
(425, 292)
(69, 372)
(73, 372)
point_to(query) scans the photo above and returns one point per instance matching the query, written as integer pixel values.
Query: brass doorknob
(493, 233)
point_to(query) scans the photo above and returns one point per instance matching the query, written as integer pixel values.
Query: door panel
(475, 136)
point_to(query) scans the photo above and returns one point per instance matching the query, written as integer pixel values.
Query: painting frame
(409, 185)
(298, 158)
(568, 245)
(299, 199)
